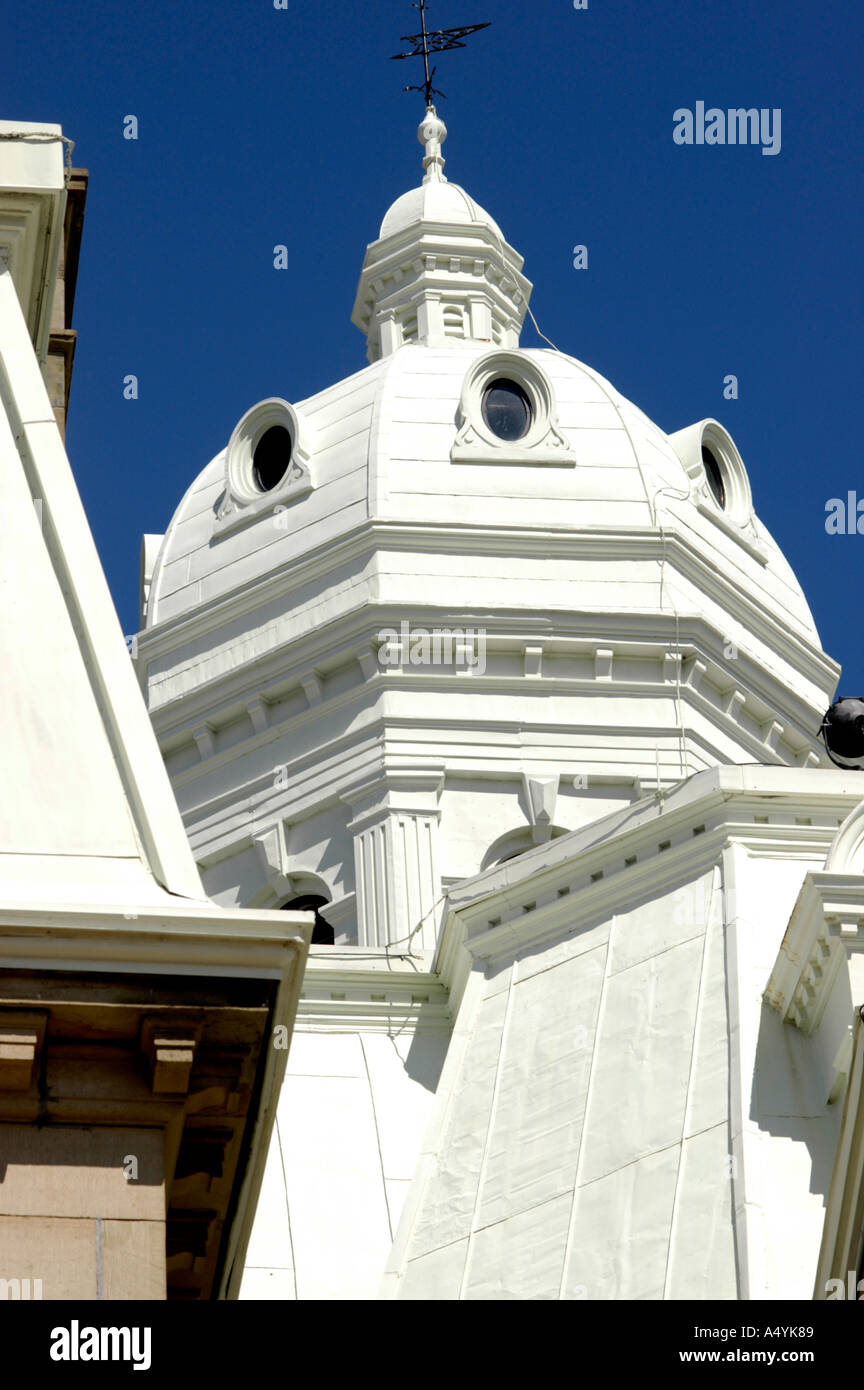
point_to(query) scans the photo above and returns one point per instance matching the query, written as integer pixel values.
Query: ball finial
(432, 132)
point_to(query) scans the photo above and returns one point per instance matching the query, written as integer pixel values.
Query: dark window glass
(271, 458)
(322, 932)
(506, 410)
(714, 475)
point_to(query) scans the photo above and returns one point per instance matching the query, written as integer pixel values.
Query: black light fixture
(322, 932)
(842, 731)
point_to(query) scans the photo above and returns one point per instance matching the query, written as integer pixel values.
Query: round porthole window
(714, 475)
(271, 457)
(506, 409)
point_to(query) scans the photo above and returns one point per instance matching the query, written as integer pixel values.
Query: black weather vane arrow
(433, 41)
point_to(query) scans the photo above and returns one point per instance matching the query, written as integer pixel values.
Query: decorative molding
(846, 854)
(169, 1046)
(843, 1228)
(767, 626)
(257, 711)
(243, 501)
(826, 928)
(203, 737)
(542, 444)
(22, 1033)
(272, 853)
(603, 658)
(344, 990)
(541, 794)
(533, 660)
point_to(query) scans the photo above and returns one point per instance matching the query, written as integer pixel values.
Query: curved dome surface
(436, 201)
(382, 454)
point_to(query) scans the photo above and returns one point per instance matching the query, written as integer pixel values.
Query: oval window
(271, 457)
(714, 474)
(506, 410)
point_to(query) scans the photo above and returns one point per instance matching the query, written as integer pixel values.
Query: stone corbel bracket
(825, 932)
(541, 795)
(169, 1045)
(22, 1033)
(272, 853)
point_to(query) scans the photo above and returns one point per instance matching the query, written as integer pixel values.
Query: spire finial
(432, 132)
(433, 41)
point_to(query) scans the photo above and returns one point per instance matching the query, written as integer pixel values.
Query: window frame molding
(244, 501)
(543, 442)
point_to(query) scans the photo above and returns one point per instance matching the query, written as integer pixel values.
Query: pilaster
(395, 829)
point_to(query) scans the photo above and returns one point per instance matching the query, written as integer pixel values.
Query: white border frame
(710, 434)
(737, 518)
(476, 443)
(244, 501)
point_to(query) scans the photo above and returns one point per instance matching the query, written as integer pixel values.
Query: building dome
(468, 648)
(399, 443)
(639, 623)
(435, 201)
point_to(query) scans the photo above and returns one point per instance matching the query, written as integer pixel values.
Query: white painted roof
(86, 813)
(435, 202)
(382, 452)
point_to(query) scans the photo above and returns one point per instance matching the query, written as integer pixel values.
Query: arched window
(322, 932)
(517, 842)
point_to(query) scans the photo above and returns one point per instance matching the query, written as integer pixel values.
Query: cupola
(440, 269)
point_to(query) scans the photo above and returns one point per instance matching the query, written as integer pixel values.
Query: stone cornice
(371, 990)
(351, 638)
(180, 938)
(32, 205)
(600, 543)
(611, 864)
(154, 938)
(826, 927)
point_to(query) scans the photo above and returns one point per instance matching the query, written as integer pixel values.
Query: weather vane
(434, 41)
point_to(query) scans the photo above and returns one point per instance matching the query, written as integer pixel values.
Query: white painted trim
(91, 611)
(542, 444)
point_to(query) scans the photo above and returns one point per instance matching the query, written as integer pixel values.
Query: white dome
(592, 539)
(435, 201)
(381, 452)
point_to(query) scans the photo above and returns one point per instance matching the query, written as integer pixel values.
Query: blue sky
(260, 126)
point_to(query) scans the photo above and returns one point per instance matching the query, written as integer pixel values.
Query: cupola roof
(441, 268)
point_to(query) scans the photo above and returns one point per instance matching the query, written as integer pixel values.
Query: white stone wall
(351, 1118)
(589, 1121)
(786, 1131)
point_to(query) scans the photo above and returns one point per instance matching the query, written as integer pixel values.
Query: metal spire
(433, 41)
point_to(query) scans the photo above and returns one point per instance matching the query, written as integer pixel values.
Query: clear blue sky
(261, 126)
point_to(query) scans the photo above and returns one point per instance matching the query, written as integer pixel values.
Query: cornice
(154, 938)
(826, 927)
(779, 714)
(350, 638)
(294, 800)
(572, 881)
(180, 938)
(343, 995)
(372, 991)
(603, 544)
